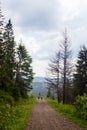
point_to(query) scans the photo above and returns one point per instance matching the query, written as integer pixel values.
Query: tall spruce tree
(80, 77)
(9, 44)
(10, 49)
(24, 74)
(15, 72)
(2, 53)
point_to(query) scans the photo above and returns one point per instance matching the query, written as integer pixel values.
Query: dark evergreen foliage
(24, 74)
(15, 72)
(80, 77)
(3, 74)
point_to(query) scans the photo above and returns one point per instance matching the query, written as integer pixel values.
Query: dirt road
(43, 117)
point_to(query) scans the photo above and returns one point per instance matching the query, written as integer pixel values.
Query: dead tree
(53, 81)
(60, 68)
(66, 65)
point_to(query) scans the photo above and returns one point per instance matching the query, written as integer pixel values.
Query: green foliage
(81, 106)
(6, 98)
(80, 77)
(6, 117)
(8, 59)
(15, 117)
(16, 93)
(24, 74)
(16, 72)
(69, 111)
(62, 108)
(50, 94)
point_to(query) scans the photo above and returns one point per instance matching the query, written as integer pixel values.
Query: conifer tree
(15, 72)
(2, 53)
(80, 77)
(24, 74)
(9, 49)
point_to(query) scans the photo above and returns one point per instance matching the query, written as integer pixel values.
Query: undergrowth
(14, 117)
(69, 111)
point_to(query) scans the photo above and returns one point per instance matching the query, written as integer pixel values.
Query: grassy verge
(15, 117)
(68, 111)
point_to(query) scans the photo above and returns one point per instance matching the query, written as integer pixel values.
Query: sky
(40, 24)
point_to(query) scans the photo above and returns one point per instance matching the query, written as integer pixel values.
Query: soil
(43, 117)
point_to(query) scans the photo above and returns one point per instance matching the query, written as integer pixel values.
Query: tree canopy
(16, 73)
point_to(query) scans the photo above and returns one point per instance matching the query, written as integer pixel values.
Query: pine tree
(2, 53)
(9, 58)
(24, 74)
(80, 77)
(10, 49)
(15, 72)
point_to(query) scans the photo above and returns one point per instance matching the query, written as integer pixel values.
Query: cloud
(35, 14)
(40, 68)
(41, 45)
(69, 9)
(39, 24)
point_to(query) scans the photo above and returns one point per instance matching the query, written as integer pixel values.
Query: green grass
(15, 117)
(24, 111)
(68, 111)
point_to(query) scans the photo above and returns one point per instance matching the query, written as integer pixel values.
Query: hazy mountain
(39, 79)
(39, 86)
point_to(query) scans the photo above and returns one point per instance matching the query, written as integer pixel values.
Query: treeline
(66, 78)
(16, 72)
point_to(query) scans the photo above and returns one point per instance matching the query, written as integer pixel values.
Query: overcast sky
(40, 24)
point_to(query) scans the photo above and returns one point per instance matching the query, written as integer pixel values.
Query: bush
(6, 117)
(6, 98)
(81, 106)
(15, 117)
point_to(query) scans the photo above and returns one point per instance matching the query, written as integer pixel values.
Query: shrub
(81, 106)
(6, 117)
(6, 98)
(15, 117)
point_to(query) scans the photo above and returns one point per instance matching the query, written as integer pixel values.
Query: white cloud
(40, 68)
(69, 9)
(39, 23)
(35, 14)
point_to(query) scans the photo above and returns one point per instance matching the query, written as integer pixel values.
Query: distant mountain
(39, 79)
(39, 86)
